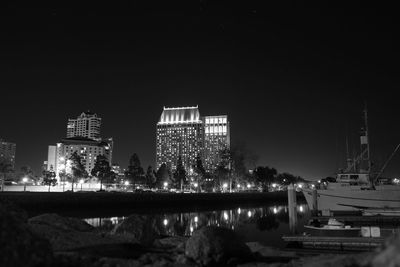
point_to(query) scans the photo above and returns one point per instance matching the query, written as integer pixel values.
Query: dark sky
(292, 78)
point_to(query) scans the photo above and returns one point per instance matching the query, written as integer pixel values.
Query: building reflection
(184, 224)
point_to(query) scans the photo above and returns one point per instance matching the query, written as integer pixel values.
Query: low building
(87, 149)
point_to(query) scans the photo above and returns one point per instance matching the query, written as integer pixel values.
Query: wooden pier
(338, 243)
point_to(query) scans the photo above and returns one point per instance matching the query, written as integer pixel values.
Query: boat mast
(367, 138)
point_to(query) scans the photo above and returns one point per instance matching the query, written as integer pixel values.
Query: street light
(25, 180)
(165, 185)
(81, 181)
(225, 186)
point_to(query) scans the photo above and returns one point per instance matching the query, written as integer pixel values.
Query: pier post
(314, 202)
(292, 205)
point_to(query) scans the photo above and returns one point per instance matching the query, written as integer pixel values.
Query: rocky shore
(53, 240)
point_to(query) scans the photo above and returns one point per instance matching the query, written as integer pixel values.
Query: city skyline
(292, 80)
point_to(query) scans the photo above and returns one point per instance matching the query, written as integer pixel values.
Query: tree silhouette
(102, 170)
(151, 178)
(180, 174)
(135, 172)
(49, 178)
(77, 169)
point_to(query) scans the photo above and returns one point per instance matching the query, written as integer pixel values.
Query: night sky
(292, 79)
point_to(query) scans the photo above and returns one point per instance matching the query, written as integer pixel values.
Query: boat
(334, 228)
(356, 188)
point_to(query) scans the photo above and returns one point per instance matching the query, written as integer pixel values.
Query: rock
(214, 245)
(176, 243)
(63, 223)
(68, 233)
(269, 252)
(138, 228)
(389, 255)
(19, 246)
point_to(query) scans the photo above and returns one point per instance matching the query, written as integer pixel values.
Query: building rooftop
(180, 115)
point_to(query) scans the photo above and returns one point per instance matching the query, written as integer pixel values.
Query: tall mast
(367, 137)
(365, 162)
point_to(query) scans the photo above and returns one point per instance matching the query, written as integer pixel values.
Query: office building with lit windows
(85, 125)
(216, 139)
(179, 133)
(86, 148)
(183, 132)
(7, 151)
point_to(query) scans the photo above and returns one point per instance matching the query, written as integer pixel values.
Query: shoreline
(112, 202)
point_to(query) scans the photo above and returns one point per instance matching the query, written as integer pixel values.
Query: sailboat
(356, 188)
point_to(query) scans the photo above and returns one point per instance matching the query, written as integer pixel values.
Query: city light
(196, 219)
(165, 184)
(126, 183)
(25, 179)
(165, 222)
(226, 217)
(249, 214)
(274, 185)
(275, 210)
(225, 185)
(239, 210)
(196, 185)
(248, 185)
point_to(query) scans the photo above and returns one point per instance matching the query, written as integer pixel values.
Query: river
(264, 224)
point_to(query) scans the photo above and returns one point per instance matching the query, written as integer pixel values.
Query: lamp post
(81, 181)
(25, 180)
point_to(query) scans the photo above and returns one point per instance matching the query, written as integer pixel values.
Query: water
(264, 224)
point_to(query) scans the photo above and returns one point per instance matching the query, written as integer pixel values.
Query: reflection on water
(254, 224)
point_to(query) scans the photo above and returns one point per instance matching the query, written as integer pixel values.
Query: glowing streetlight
(126, 183)
(165, 222)
(196, 185)
(196, 219)
(165, 185)
(225, 186)
(81, 181)
(25, 180)
(248, 185)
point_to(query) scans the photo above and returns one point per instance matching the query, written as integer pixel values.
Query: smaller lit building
(7, 151)
(87, 149)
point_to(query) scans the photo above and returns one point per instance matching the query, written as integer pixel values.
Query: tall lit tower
(85, 125)
(179, 133)
(216, 139)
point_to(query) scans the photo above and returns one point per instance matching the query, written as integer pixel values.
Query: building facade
(87, 149)
(183, 132)
(85, 125)
(179, 133)
(216, 139)
(7, 151)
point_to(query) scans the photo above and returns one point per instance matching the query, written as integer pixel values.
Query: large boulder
(63, 223)
(389, 255)
(19, 246)
(216, 246)
(67, 233)
(138, 228)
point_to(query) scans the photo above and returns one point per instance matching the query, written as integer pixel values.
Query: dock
(363, 220)
(338, 243)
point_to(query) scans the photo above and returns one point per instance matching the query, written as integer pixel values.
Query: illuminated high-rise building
(7, 151)
(85, 125)
(183, 132)
(179, 133)
(216, 139)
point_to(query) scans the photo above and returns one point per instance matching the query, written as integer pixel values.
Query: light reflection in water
(184, 224)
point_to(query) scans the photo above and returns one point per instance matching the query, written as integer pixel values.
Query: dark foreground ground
(112, 202)
(53, 240)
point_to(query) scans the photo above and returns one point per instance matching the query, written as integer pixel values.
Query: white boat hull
(354, 198)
